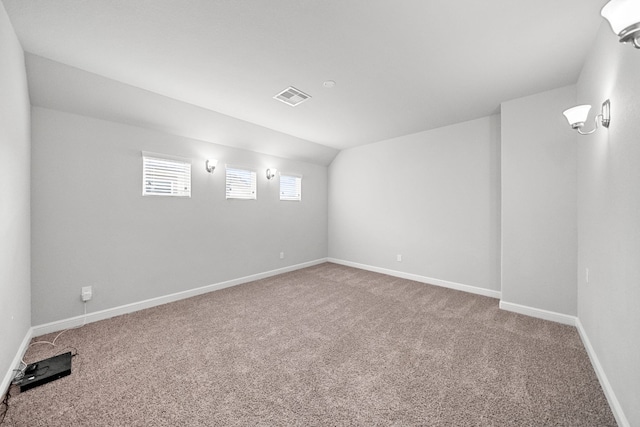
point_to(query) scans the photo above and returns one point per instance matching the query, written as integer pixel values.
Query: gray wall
(609, 217)
(15, 292)
(91, 225)
(431, 196)
(539, 234)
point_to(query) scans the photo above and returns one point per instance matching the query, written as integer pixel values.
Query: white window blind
(241, 183)
(165, 176)
(290, 187)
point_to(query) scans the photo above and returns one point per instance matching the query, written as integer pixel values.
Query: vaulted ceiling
(400, 66)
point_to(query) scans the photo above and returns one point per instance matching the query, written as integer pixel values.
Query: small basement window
(241, 183)
(165, 175)
(290, 187)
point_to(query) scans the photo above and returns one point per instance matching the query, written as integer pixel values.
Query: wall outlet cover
(86, 293)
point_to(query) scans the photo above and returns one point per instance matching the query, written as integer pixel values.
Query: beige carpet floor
(324, 346)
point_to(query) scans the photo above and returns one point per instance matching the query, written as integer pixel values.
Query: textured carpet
(324, 346)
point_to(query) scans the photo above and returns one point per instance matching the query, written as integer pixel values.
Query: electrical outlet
(86, 293)
(281, 255)
(399, 257)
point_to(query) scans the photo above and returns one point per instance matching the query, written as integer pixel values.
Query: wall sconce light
(210, 165)
(624, 18)
(577, 116)
(271, 173)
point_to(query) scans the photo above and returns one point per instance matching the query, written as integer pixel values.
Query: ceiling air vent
(292, 96)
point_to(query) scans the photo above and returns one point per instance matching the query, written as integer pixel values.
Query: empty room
(319, 213)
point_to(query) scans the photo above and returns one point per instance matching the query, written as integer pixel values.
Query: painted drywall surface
(609, 218)
(92, 226)
(539, 231)
(15, 146)
(61, 87)
(432, 197)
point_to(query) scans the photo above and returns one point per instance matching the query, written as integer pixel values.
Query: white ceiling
(400, 66)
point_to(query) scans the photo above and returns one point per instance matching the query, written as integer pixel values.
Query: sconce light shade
(271, 173)
(210, 165)
(577, 116)
(624, 18)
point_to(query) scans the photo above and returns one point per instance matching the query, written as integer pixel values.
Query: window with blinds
(241, 183)
(165, 176)
(290, 187)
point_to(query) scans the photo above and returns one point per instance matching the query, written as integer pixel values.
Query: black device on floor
(45, 371)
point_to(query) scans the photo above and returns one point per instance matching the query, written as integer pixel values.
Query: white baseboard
(8, 377)
(141, 305)
(621, 419)
(539, 313)
(421, 279)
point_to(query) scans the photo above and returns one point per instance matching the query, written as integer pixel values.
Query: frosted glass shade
(576, 116)
(621, 14)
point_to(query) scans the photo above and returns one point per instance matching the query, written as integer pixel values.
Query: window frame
(176, 170)
(250, 192)
(297, 186)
